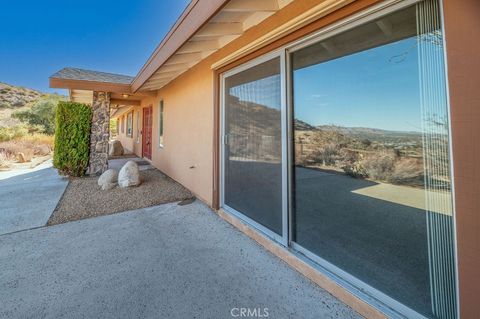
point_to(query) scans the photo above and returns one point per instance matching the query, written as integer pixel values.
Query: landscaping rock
(108, 179)
(108, 186)
(115, 149)
(129, 175)
(21, 158)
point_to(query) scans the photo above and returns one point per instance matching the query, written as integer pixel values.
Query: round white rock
(108, 179)
(129, 175)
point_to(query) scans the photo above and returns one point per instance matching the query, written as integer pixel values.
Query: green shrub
(72, 138)
(11, 133)
(41, 117)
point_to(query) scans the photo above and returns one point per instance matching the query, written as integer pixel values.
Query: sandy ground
(83, 198)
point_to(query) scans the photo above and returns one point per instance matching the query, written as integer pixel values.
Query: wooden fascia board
(90, 85)
(195, 16)
(125, 102)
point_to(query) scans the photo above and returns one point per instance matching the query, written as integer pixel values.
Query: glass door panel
(252, 148)
(371, 176)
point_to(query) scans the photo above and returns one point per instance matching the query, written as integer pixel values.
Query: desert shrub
(351, 164)
(12, 148)
(28, 145)
(41, 117)
(378, 166)
(11, 133)
(3, 160)
(41, 144)
(408, 171)
(72, 138)
(325, 155)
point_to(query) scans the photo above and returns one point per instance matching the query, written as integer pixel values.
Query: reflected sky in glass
(262, 91)
(363, 81)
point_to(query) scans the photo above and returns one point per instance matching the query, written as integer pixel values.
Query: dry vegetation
(30, 146)
(380, 155)
(19, 141)
(15, 97)
(387, 158)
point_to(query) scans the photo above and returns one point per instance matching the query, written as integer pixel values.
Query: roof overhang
(203, 28)
(90, 85)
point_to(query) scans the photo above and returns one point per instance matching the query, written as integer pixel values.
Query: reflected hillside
(394, 157)
(254, 131)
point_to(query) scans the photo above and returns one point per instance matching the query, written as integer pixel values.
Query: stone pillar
(100, 133)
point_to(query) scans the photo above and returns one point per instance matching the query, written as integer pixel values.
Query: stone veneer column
(100, 133)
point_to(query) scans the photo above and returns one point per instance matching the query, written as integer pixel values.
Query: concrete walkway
(166, 261)
(117, 163)
(29, 196)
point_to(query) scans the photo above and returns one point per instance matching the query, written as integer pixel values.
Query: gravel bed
(83, 198)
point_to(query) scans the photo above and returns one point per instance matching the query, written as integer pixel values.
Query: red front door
(147, 132)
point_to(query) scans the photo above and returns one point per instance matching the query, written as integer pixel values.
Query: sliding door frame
(369, 294)
(343, 278)
(282, 239)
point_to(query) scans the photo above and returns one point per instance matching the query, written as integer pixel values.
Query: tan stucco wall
(462, 31)
(189, 124)
(189, 109)
(188, 130)
(130, 144)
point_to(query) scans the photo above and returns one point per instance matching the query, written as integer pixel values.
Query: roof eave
(193, 18)
(89, 85)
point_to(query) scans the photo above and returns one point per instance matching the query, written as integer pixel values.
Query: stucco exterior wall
(127, 142)
(462, 31)
(189, 120)
(186, 155)
(189, 104)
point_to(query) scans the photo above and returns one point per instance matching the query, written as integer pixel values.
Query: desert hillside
(27, 126)
(15, 98)
(361, 152)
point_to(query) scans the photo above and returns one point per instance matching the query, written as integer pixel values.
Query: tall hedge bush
(72, 138)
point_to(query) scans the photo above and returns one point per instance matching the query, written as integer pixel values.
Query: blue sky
(372, 88)
(376, 88)
(40, 37)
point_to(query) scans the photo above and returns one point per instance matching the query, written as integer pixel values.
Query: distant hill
(364, 131)
(374, 134)
(300, 125)
(16, 97)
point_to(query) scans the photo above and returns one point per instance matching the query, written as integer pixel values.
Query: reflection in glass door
(252, 146)
(372, 184)
(369, 170)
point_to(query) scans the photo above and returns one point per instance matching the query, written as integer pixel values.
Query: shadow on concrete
(380, 242)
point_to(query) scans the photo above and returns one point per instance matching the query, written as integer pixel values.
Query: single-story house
(342, 135)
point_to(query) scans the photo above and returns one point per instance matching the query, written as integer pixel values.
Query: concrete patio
(166, 261)
(29, 196)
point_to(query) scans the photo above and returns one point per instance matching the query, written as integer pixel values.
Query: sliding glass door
(252, 144)
(372, 185)
(361, 166)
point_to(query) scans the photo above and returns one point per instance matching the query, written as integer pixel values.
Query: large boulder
(129, 175)
(108, 179)
(115, 148)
